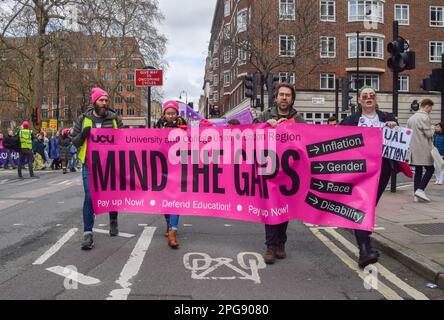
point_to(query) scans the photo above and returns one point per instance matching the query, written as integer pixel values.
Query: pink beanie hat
(171, 104)
(25, 125)
(97, 93)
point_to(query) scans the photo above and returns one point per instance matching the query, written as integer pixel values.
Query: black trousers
(276, 235)
(26, 154)
(421, 181)
(363, 236)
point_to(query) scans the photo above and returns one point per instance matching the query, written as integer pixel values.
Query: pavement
(413, 232)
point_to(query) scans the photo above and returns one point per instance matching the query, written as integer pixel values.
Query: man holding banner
(276, 235)
(97, 116)
(369, 116)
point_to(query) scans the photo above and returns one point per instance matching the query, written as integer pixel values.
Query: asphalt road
(40, 256)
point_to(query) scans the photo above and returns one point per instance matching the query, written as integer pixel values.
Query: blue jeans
(172, 220)
(88, 211)
(73, 162)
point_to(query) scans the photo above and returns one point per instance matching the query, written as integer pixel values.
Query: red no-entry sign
(149, 77)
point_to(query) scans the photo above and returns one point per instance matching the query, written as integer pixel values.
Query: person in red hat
(25, 154)
(171, 119)
(98, 115)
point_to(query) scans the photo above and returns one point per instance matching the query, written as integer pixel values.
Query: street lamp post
(186, 96)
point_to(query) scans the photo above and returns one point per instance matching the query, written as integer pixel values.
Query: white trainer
(421, 195)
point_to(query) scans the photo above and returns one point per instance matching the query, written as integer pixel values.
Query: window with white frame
(403, 83)
(54, 101)
(130, 88)
(227, 8)
(227, 78)
(118, 99)
(436, 16)
(227, 31)
(328, 81)
(370, 80)
(216, 46)
(436, 51)
(130, 112)
(107, 76)
(45, 103)
(216, 80)
(287, 46)
(130, 76)
(54, 112)
(288, 77)
(369, 47)
(215, 63)
(328, 10)
(215, 97)
(328, 47)
(242, 18)
(242, 56)
(130, 99)
(287, 10)
(402, 14)
(366, 10)
(227, 54)
(90, 65)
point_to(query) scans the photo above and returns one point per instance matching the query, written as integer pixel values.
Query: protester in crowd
(283, 110)
(26, 139)
(9, 161)
(73, 150)
(38, 148)
(97, 116)
(332, 121)
(421, 147)
(369, 116)
(438, 142)
(233, 122)
(171, 119)
(46, 151)
(54, 152)
(64, 144)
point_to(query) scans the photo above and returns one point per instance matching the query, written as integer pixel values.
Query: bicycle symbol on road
(202, 262)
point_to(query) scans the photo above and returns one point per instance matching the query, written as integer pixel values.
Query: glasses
(368, 96)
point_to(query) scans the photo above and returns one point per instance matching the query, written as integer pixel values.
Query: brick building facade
(337, 22)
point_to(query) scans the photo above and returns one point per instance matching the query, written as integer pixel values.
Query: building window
(437, 16)
(227, 78)
(45, 103)
(130, 76)
(118, 99)
(287, 77)
(44, 114)
(369, 47)
(402, 14)
(328, 10)
(227, 8)
(130, 88)
(90, 65)
(227, 31)
(242, 16)
(366, 10)
(366, 80)
(54, 102)
(216, 80)
(130, 99)
(242, 56)
(215, 97)
(436, 51)
(119, 89)
(287, 10)
(328, 47)
(107, 76)
(227, 54)
(404, 83)
(287, 46)
(215, 63)
(328, 81)
(130, 112)
(108, 65)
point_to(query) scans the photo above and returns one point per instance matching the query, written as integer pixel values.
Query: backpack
(12, 143)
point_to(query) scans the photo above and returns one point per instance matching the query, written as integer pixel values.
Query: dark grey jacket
(272, 114)
(78, 140)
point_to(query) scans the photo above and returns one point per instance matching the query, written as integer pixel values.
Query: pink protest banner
(323, 175)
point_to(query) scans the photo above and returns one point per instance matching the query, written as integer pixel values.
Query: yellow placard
(53, 124)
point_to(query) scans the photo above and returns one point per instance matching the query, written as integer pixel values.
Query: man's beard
(101, 112)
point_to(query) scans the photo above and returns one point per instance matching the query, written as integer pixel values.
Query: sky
(187, 26)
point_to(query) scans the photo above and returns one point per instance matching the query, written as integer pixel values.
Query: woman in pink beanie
(171, 119)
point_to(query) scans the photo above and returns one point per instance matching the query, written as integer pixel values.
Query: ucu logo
(103, 139)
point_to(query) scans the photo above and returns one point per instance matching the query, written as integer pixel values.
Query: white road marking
(102, 225)
(39, 192)
(142, 225)
(74, 275)
(415, 294)
(387, 292)
(407, 186)
(4, 181)
(187, 225)
(227, 225)
(9, 203)
(131, 268)
(56, 247)
(26, 182)
(121, 234)
(18, 225)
